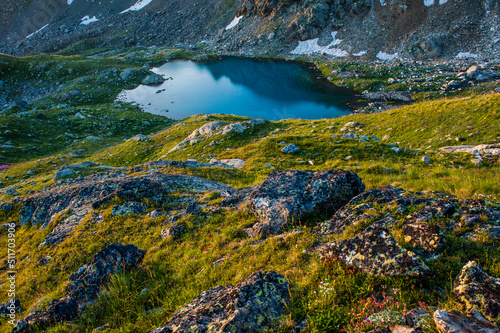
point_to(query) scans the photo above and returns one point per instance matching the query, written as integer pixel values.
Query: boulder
(153, 80)
(85, 286)
(475, 288)
(287, 196)
(140, 137)
(376, 252)
(452, 321)
(173, 231)
(431, 208)
(12, 306)
(252, 305)
(22, 104)
(232, 162)
(128, 74)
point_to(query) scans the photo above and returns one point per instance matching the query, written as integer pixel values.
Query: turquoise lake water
(245, 87)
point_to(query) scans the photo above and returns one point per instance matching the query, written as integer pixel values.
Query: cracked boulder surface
(79, 198)
(288, 196)
(85, 285)
(475, 288)
(376, 252)
(251, 305)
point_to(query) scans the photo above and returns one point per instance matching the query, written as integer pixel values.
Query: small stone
(426, 160)
(173, 231)
(386, 137)
(290, 149)
(477, 162)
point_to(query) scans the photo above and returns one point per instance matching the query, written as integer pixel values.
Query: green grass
(175, 271)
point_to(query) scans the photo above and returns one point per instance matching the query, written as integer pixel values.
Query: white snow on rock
(383, 3)
(311, 46)
(386, 56)
(463, 55)
(87, 20)
(442, 1)
(140, 4)
(234, 22)
(428, 3)
(30, 35)
(70, 2)
(359, 54)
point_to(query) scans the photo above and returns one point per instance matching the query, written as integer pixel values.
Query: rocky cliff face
(383, 29)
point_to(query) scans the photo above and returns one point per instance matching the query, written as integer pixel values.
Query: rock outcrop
(425, 216)
(80, 198)
(250, 306)
(475, 288)
(287, 196)
(85, 286)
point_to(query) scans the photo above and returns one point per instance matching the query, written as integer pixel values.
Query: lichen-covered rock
(419, 209)
(452, 321)
(85, 286)
(376, 252)
(250, 306)
(285, 196)
(423, 236)
(475, 288)
(80, 198)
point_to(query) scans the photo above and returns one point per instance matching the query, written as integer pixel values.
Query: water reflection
(257, 89)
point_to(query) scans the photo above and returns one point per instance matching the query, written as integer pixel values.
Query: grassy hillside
(175, 271)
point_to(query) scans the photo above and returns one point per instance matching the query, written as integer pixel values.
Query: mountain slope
(369, 28)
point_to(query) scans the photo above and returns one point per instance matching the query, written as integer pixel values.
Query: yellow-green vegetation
(175, 271)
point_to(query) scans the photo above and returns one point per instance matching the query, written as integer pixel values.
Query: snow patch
(140, 4)
(70, 2)
(359, 54)
(463, 55)
(311, 46)
(234, 22)
(428, 3)
(87, 20)
(30, 35)
(442, 1)
(383, 3)
(386, 56)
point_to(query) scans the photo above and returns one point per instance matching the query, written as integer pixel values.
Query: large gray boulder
(291, 195)
(250, 306)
